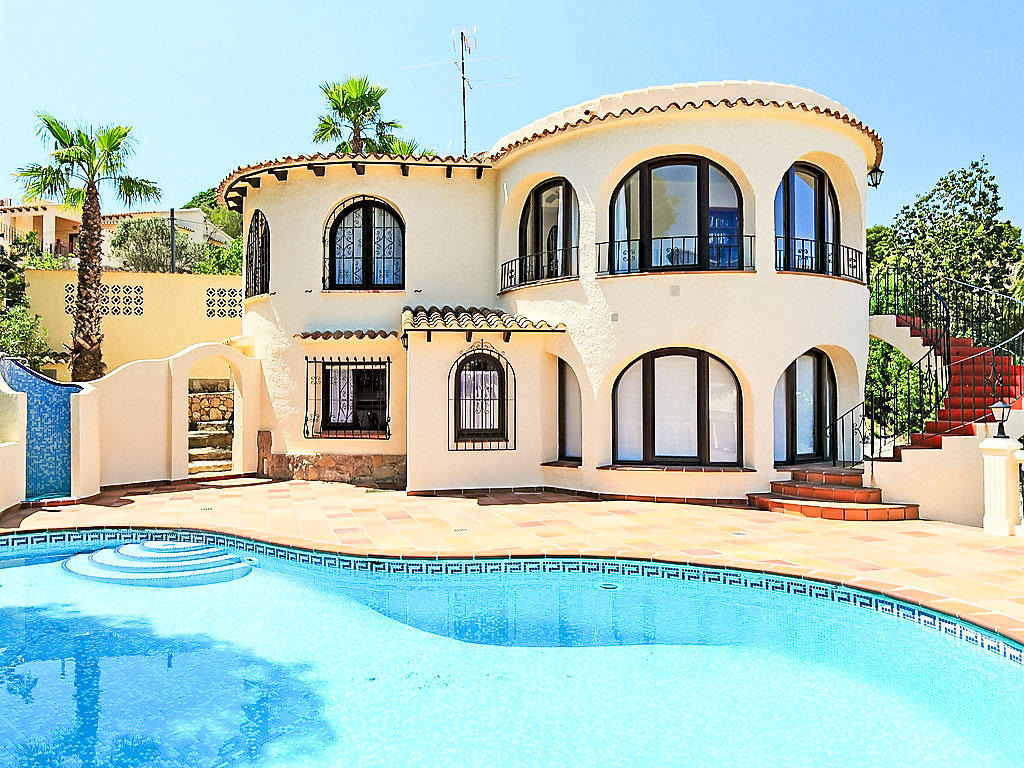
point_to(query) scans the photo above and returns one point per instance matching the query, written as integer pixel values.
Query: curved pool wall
(48, 433)
(423, 574)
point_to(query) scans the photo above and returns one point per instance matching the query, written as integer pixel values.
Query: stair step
(209, 454)
(853, 478)
(172, 551)
(110, 560)
(820, 492)
(221, 425)
(951, 427)
(199, 439)
(204, 467)
(832, 510)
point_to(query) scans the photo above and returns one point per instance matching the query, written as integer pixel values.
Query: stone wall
(375, 469)
(210, 406)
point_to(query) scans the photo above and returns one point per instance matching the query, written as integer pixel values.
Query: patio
(955, 569)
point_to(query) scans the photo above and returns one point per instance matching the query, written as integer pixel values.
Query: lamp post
(875, 177)
(1000, 411)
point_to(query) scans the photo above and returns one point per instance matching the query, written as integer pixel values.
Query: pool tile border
(70, 541)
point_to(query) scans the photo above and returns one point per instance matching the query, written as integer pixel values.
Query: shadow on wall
(95, 690)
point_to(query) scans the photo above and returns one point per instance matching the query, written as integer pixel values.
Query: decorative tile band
(45, 543)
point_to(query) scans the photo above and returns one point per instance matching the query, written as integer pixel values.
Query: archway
(211, 417)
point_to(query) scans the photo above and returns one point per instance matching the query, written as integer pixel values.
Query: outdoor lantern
(1001, 411)
(875, 176)
(405, 341)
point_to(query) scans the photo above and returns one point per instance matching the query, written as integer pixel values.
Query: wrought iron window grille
(257, 256)
(348, 397)
(364, 246)
(481, 401)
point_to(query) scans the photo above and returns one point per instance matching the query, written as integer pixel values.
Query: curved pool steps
(159, 564)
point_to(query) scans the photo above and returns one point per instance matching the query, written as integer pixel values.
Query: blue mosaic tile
(48, 438)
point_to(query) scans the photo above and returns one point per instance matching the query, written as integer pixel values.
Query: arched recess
(245, 372)
(257, 256)
(570, 414)
(677, 405)
(675, 212)
(364, 246)
(804, 407)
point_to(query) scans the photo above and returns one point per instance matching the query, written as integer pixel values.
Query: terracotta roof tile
(460, 318)
(349, 334)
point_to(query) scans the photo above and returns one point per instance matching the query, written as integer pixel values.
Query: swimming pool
(343, 661)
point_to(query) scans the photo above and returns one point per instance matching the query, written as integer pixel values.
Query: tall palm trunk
(86, 354)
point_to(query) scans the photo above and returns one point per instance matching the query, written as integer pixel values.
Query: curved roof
(461, 318)
(723, 94)
(682, 96)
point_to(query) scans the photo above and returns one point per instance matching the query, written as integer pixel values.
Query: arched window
(549, 233)
(807, 222)
(676, 213)
(365, 244)
(677, 406)
(805, 407)
(257, 256)
(482, 386)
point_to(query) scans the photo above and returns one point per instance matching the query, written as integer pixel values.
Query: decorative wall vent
(115, 300)
(223, 302)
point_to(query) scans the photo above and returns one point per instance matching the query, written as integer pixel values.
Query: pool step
(159, 564)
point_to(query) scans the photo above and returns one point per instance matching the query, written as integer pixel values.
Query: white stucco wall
(460, 229)
(13, 423)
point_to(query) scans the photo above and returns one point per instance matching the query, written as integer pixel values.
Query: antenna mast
(465, 44)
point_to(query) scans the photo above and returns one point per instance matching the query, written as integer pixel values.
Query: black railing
(801, 254)
(668, 254)
(547, 265)
(975, 339)
(348, 398)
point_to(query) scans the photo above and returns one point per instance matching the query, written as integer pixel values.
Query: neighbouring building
(660, 293)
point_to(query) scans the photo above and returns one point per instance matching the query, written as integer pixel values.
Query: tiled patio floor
(952, 568)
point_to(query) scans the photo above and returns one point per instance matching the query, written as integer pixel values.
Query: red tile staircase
(836, 493)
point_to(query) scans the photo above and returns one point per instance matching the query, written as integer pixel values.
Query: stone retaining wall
(210, 406)
(375, 469)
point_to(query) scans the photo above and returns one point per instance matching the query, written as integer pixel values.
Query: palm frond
(327, 129)
(131, 190)
(42, 181)
(55, 129)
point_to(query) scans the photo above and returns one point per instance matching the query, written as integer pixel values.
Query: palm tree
(354, 120)
(398, 146)
(81, 160)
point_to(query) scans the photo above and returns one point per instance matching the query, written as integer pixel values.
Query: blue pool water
(291, 666)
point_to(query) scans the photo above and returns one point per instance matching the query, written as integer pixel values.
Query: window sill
(672, 468)
(564, 463)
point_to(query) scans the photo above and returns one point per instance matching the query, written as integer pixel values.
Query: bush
(222, 260)
(144, 245)
(21, 335)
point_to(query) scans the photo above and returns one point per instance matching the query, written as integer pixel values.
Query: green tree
(353, 119)
(22, 335)
(229, 221)
(144, 245)
(83, 159)
(222, 260)
(955, 230)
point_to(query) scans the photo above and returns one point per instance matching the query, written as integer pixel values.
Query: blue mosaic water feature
(326, 660)
(48, 442)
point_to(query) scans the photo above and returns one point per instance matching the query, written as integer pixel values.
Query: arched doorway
(804, 407)
(211, 417)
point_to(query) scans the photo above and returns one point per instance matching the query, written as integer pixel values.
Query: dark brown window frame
(703, 166)
(501, 439)
(317, 424)
(824, 194)
(257, 256)
(646, 361)
(334, 221)
(532, 209)
(825, 401)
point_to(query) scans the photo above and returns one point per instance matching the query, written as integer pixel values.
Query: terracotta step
(819, 475)
(831, 510)
(818, 492)
(963, 414)
(950, 427)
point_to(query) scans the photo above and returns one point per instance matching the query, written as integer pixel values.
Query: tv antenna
(464, 43)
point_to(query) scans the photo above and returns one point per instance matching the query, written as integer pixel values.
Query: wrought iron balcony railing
(546, 265)
(801, 254)
(667, 254)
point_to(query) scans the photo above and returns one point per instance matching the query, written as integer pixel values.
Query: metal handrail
(666, 254)
(531, 268)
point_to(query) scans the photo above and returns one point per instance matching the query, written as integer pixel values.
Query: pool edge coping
(1004, 627)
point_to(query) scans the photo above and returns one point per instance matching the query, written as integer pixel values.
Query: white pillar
(49, 233)
(1002, 485)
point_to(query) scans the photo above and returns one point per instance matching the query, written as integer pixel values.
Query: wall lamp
(1001, 412)
(404, 338)
(875, 177)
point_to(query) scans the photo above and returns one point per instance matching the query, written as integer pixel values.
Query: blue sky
(209, 86)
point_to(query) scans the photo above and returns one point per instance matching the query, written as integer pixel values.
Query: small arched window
(677, 406)
(257, 256)
(482, 387)
(805, 407)
(549, 233)
(365, 242)
(676, 213)
(807, 222)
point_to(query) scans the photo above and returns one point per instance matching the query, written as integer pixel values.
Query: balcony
(555, 264)
(801, 254)
(671, 254)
